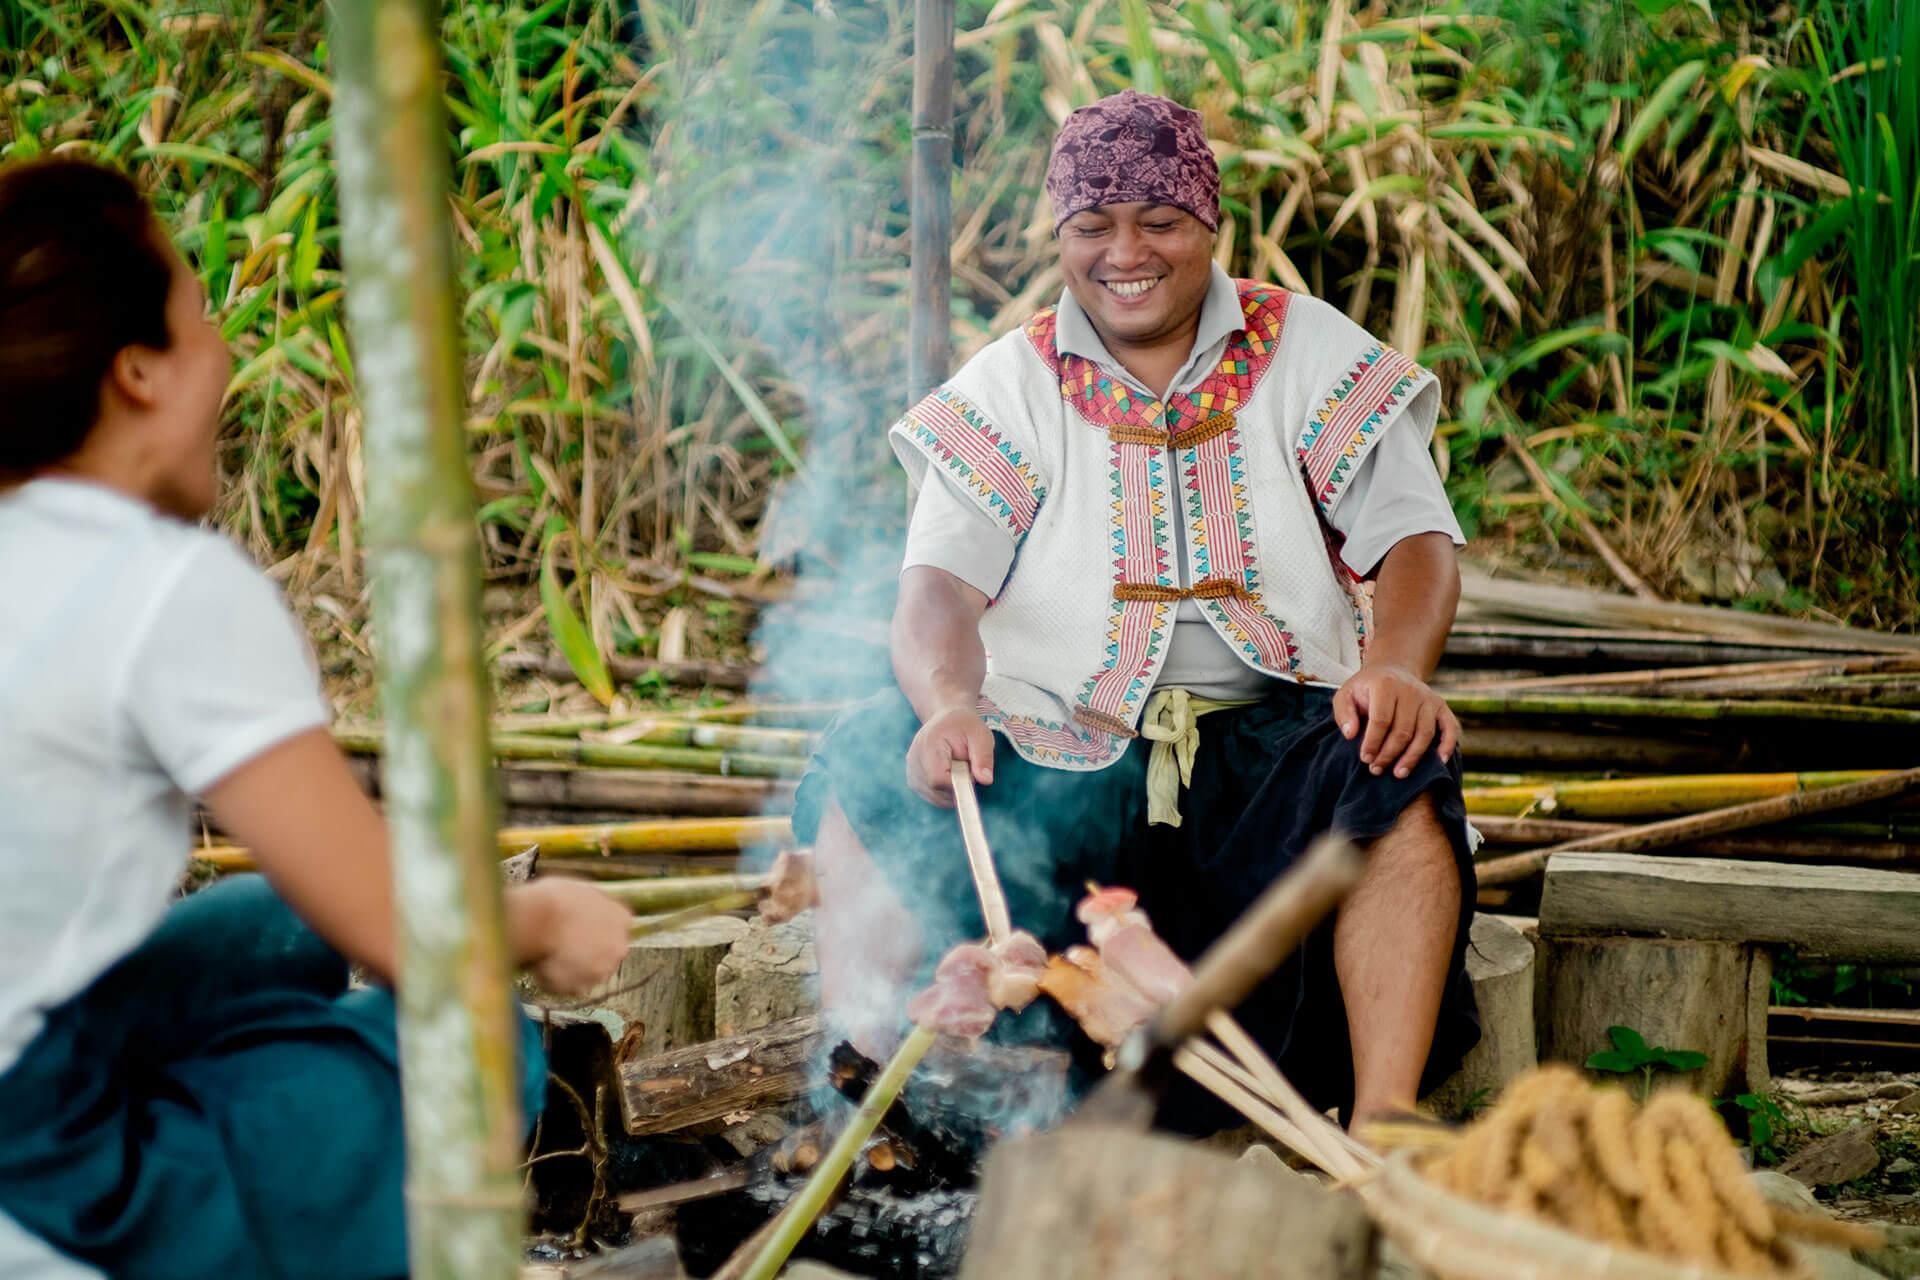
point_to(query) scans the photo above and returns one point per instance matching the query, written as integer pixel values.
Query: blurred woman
(193, 1090)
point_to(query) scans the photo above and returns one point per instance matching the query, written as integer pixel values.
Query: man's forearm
(938, 658)
(1415, 593)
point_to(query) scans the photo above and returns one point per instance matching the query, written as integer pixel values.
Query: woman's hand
(570, 936)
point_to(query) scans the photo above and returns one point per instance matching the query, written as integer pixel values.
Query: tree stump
(1709, 997)
(665, 986)
(1500, 962)
(1112, 1204)
(769, 975)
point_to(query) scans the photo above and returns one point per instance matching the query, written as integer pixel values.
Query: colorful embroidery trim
(972, 449)
(1049, 741)
(1106, 402)
(1220, 534)
(1136, 629)
(1356, 407)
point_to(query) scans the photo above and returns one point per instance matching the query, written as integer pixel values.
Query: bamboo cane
(798, 1216)
(687, 915)
(668, 893)
(1680, 830)
(930, 319)
(672, 835)
(1650, 797)
(1602, 706)
(1724, 677)
(986, 880)
(1785, 844)
(458, 1020)
(612, 755)
(661, 731)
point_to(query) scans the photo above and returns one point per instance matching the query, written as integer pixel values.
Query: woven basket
(1456, 1239)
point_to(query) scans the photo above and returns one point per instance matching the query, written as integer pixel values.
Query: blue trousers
(218, 1103)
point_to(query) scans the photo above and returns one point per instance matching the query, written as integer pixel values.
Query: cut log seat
(1846, 913)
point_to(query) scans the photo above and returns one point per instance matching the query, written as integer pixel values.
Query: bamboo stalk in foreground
(459, 1021)
(811, 1200)
(1660, 835)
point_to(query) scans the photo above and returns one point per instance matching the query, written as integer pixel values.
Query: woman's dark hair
(82, 275)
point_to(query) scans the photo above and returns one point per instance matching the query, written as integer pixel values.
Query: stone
(1908, 1105)
(1901, 1165)
(815, 1271)
(768, 975)
(1835, 1159)
(762, 1129)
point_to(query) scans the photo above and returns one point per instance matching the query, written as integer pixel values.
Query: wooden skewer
(1280, 1091)
(986, 881)
(1197, 1053)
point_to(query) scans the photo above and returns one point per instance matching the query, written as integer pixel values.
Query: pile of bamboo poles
(1620, 732)
(1630, 725)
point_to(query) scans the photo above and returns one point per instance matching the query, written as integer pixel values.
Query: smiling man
(1198, 511)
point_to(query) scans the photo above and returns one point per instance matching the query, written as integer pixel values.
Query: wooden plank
(703, 1082)
(1849, 913)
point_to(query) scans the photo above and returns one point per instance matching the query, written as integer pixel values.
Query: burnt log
(703, 1083)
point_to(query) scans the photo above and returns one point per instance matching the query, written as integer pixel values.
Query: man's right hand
(955, 734)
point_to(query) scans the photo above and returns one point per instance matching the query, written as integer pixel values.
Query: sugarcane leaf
(570, 634)
(1658, 107)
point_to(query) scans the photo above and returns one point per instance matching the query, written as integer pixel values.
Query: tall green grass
(1615, 230)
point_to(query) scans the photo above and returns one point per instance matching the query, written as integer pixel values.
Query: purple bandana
(1131, 147)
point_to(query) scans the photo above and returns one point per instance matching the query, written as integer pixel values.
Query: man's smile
(1131, 288)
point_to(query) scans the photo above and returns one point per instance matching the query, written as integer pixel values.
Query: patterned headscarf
(1131, 147)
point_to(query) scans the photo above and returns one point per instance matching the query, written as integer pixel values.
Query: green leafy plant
(1766, 1120)
(1631, 1053)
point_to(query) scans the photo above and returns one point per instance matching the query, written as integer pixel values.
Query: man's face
(1140, 271)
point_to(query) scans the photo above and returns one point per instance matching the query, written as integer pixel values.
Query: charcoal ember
(873, 1231)
(956, 1105)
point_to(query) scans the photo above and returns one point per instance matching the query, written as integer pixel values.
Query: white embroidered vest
(1087, 476)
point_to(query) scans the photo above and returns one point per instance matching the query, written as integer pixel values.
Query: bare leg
(1391, 945)
(867, 943)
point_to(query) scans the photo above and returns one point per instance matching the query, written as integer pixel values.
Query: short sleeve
(1395, 493)
(951, 533)
(219, 670)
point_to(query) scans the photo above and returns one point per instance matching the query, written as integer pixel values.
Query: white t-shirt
(1395, 494)
(141, 660)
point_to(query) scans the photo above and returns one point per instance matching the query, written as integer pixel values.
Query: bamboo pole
(459, 1032)
(1604, 706)
(1649, 797)
(670, 893)
(662, 731)
(1660, 835)
(1714, 680)
(799, 1215)
(510, 746)
(930, 334)
(669, 835)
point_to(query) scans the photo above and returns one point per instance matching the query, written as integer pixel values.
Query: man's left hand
(1403, 717)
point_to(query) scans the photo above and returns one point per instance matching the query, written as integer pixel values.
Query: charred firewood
(958, 1104)
(872, 1230)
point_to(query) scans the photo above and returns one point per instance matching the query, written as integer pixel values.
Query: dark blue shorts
(1267, 779)
(219, 1103)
